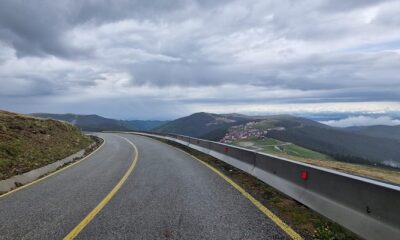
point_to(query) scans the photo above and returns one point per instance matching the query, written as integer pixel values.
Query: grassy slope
(301, 154)
(27, 143)
(290, 150)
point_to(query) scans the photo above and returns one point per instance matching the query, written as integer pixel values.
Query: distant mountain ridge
(213, 126)
(144, 125)
(88, 122)
(202, 123)
(384, 131)
(343, 144)
(96, 123)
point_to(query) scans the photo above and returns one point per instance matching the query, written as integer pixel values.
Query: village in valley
(246, 131)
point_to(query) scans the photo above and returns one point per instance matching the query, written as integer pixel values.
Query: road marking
(51, 174)
(109, 196)
(286, 228)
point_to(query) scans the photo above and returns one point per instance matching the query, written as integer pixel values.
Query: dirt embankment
(28, 142)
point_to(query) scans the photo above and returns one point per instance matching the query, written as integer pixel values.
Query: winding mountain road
(134, 187)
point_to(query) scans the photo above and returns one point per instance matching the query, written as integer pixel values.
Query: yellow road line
(53, 173)
(104, 202)
(286, 228)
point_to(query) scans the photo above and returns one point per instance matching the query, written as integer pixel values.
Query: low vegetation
(28, 143)
(303, 220)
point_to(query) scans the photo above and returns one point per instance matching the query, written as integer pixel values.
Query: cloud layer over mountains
(147, 59)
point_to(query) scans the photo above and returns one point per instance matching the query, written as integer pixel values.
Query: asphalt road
(168, 195)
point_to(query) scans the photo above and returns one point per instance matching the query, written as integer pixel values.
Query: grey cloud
(29, 29)
(108, 10)
(389, 15)
(38, 28)
(183, 74)
(23, 86)
(313, 51)
(349, 4)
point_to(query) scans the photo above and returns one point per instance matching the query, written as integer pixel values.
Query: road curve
(169, 195)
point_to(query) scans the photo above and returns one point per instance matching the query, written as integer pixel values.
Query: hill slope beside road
(28, 143)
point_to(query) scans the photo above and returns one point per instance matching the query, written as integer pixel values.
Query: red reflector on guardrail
(226, 150)
(304, 175)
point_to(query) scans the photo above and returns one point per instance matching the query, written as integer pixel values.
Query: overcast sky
(165, 59)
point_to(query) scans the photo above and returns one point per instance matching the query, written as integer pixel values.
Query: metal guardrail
(369, 208)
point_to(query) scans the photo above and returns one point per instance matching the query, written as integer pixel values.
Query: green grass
(289, 150)
(265, 124)
(297, 151)
(27, 143)
(267, 141)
